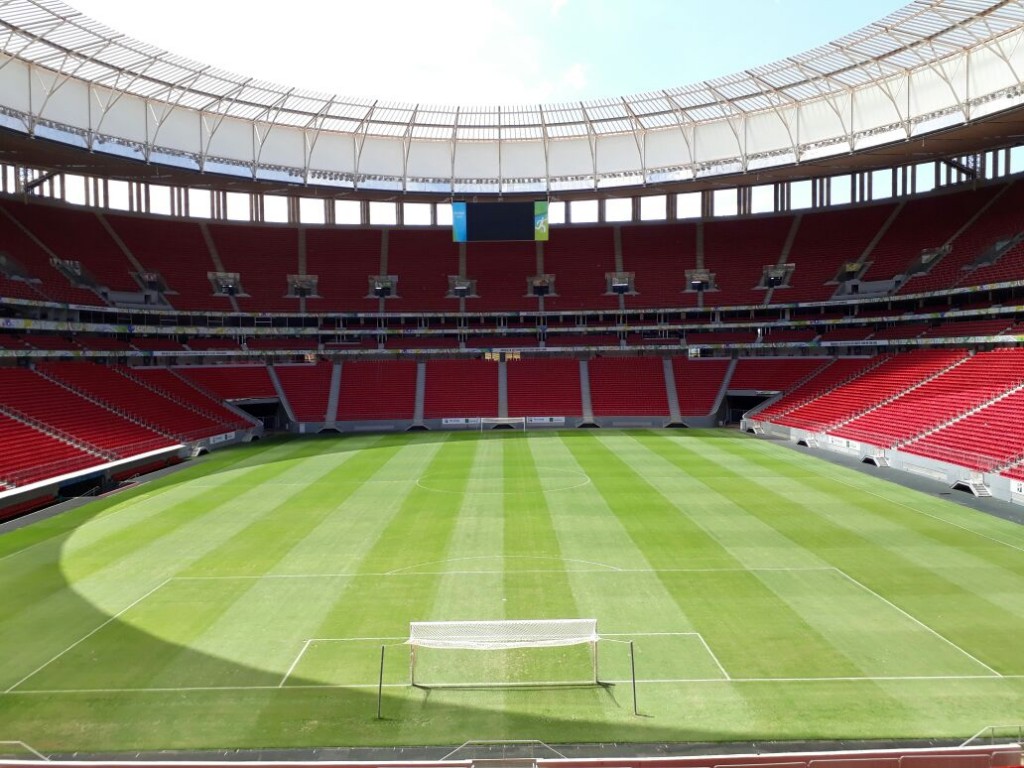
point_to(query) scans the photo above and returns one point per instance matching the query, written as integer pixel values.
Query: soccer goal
(508, 635)
(448, 642)
(509, 422)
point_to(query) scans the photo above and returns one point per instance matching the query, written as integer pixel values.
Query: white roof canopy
(931, 65)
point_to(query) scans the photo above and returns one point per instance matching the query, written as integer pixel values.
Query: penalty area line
(539, 683)
(86, 636)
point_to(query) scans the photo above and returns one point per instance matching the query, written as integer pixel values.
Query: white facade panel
(333, 153)
(430, 160)
(618, 154)
(930, 92)
(476, 160)
(177, 129)
(667, 148)
(281, 146)
(883, 104)
(67, 104)
(123, 117)
(570, 157)
(921, 67)
(989, 72)
(228, 138)
(381, 157)
(716, 141)
(14, 84)
(523, 159)
(771, 131)
(42, 82)
(824, 119)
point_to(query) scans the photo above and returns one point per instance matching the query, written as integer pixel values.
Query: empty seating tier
(59, 407)
(119, 391)
(30, 454)
(307, 389)
(461, 389)
(377, 389)
(885, 382)
(628, 386)
(954, 392)
(698, 383)
(544, 388)
(235, 382)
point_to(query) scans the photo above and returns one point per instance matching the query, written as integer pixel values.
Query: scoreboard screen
(476, 222)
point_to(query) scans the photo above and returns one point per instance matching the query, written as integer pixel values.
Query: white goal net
(496, 635)
(505, 422)
(504, 635)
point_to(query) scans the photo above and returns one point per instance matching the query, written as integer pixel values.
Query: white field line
(85, 637)
(401, 641)
(917, 621)
(834, 479)
(712, 655)
(450, 560)
(382, 574)
(295, 663)
(27, 748)
(500, 684)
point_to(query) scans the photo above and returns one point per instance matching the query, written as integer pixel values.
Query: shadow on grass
(73, 679)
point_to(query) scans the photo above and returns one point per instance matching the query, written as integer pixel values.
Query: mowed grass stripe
(14, 542)
(596, 546)
(175, 527)
(119, 640)
(419, 531)
(111, 586)
(262, 626)
(537, 585)
(878, 545)
(836, 540)
(469, 584)
(948, 520)
(921, 519)
(733, 609)
(260, 546)
(529, 534)
(368, 501)
(110, 518)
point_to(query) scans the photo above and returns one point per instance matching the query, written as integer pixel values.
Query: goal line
(503, 635)
(502, 422)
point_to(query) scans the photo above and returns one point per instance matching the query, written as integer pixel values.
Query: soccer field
(244, 601)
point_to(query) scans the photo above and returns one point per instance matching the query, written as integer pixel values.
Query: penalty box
(262, 624)
(355, 662)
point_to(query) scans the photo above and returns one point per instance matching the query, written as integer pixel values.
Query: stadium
(679, 429)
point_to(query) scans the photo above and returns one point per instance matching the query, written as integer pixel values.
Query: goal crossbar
(508, 421)
(497, 635)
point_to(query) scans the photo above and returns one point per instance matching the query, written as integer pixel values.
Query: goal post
(502, 422)
(502, 635)
(505, 635)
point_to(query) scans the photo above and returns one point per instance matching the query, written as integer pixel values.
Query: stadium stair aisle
(880, 384)
(956, 391)
(633, 386)
(121, 392)
(30, 454)
(231, 382)
(307, 389)
(49, 399)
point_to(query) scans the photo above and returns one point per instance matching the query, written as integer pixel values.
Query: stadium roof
(932, 65)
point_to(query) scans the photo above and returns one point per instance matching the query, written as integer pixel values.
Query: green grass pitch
(243, 601)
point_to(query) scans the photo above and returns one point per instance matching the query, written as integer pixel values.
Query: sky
(486, 52)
